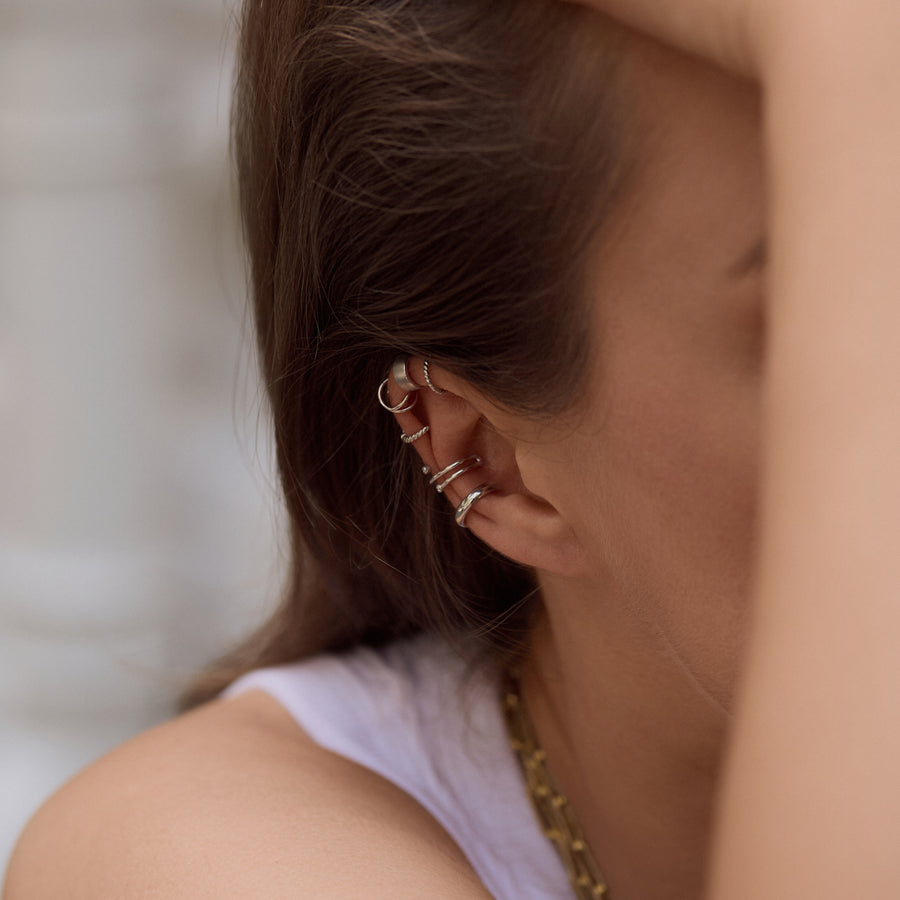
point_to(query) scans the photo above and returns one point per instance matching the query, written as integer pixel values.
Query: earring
(401, 376)
(469, 501)
(429, 382)
(409, 438)
(454, 470)
(401, 406)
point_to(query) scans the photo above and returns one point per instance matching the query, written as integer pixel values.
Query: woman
(515, 252)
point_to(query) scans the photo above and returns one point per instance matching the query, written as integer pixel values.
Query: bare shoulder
(233, 800)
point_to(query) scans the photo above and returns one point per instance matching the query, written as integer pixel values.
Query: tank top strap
(420, 716)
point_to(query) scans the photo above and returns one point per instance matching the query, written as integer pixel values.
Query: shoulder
(233, 800)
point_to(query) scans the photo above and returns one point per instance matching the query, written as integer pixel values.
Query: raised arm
(811, 802)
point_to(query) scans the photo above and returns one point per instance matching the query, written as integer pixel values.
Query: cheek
(685, 483)
(671, 521)
(674, 475)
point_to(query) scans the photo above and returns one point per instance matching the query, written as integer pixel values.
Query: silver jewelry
(469, 501)
(426, 470)
(409, 438)
(454, 470)
(401, 406)
(429, 382)
(401, 376)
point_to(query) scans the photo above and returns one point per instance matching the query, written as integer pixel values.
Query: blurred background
(138, 530)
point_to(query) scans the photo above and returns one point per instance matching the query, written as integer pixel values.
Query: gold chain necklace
(549, 803)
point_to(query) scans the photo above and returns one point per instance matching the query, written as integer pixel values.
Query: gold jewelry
(550, 805)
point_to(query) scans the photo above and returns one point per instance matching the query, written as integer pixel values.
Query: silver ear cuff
(453, 471)
(401, 406)
(429, 382)
(409, 438)
(401, 376)
(469, 501)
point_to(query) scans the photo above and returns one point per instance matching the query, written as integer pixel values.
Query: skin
(658, 480)
(234, 801)
(646, 490)
(641, 499)
(810, 806)
(633, 667)
(650, 644)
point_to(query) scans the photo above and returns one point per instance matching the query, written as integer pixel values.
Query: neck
(631, 737)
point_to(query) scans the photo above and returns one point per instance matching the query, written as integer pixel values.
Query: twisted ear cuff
(429, 382)
(401, 376)
(410, 438)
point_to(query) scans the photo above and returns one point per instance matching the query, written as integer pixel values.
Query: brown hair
(416, 177)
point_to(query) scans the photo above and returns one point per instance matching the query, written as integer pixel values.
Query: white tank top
(409, 713)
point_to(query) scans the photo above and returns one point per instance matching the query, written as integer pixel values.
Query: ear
(454, 422)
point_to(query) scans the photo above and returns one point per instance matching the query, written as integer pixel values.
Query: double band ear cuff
(453, 471)
(469, 501)
(429, 382)
(409, 438)
(403, 406)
